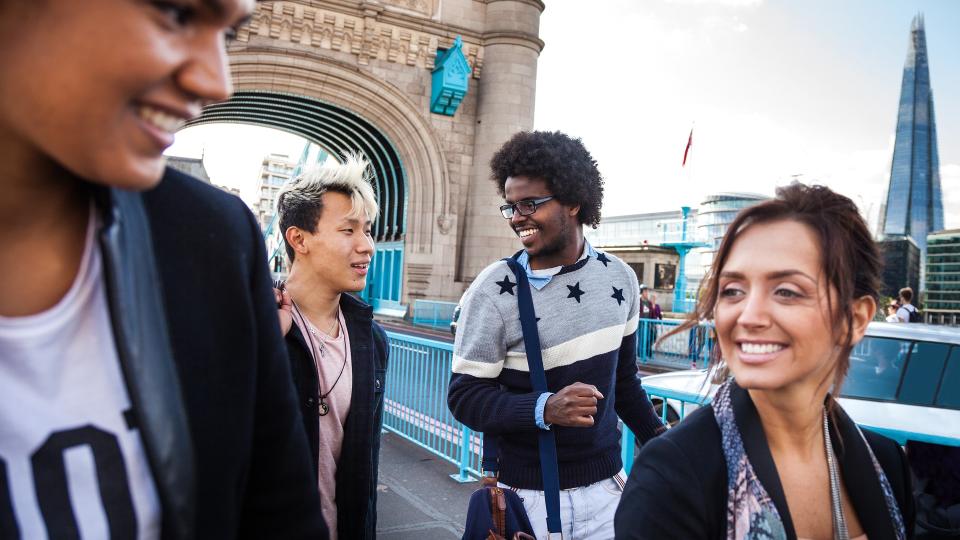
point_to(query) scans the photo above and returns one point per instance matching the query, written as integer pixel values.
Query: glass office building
(717, 211)
(652, 229)
(901, 265)
(942, 305)
(914, 206)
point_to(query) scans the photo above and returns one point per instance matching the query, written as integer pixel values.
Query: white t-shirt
(71, 462)
(904, 312)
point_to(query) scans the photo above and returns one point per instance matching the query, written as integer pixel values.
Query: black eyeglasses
(524, 207)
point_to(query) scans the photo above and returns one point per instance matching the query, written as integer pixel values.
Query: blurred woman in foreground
(137, 330)
(792, 290)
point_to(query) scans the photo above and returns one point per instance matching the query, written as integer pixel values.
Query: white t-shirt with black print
(72, 463)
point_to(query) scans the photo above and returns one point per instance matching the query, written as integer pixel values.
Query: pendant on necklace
(324, 408)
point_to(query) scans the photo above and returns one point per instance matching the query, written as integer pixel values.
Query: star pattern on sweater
(617, 295)
(602, 257)
(506, 285)
(575, 292)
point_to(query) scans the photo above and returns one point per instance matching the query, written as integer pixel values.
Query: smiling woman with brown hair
(793, 287)
(144, 391)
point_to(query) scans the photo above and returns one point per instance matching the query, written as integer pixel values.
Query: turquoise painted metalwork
(385, 279)
(684, 350)
(680, 303)
(415, 403)
(416, 409)
(451, 79)
(433, 313)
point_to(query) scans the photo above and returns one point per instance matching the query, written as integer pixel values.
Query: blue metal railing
(415, 403)
(416, 409)
(433, 313)
(668, 400)
(684, 350)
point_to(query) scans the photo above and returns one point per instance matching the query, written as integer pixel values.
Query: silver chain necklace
(322, 408)
(836, 502)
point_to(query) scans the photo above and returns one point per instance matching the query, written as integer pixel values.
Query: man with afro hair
(587, 304)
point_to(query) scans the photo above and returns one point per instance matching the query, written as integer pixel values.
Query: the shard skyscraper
(914, 206)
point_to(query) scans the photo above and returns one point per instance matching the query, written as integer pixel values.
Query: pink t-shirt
(331, 355)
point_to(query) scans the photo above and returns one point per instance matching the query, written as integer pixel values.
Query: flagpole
(680, 294)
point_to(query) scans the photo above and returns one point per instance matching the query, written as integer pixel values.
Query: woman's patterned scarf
(751, 513)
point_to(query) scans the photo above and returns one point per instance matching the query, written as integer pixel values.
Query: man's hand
(284, 310)
(574, 406)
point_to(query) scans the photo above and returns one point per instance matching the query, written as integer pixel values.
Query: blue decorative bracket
(451, 78)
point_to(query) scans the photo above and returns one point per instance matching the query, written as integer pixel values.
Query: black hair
(563, 162)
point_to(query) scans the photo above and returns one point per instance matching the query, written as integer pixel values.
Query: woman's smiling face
(772, 315)
(100, 86)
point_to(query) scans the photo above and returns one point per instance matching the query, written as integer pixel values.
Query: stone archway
(334, 129)
(380, 105)
(365, 68)
(342, 109)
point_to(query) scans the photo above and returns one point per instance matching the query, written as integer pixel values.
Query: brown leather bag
(496, 514)
(498, 510)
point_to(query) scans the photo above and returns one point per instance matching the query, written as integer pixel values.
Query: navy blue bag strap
(491, 456)
(538, 378)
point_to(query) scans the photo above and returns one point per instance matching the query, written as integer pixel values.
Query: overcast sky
(772, 89)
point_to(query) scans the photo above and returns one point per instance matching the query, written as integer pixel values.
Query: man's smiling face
(549, 230)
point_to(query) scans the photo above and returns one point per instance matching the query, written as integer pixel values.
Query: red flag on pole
(686, 151)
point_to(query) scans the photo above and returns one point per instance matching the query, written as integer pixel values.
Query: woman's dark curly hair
(562, 161)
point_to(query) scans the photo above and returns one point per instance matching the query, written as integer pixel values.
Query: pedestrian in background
(648, 329)
(907, 312)
(137, 324)
(588, 305)
(892, 313)
(338, 354)
(654, 329)
(657, 312)
(774, 455)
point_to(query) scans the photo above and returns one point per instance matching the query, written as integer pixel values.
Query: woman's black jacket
(195, 327)
(678, 485)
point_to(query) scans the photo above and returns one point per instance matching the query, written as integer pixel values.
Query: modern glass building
(942, 305)
(653, 229)
(914, 206)
(901, 265)
(647, 233)
(717, 211)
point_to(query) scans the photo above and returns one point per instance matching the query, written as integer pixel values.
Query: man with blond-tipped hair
(338, 354)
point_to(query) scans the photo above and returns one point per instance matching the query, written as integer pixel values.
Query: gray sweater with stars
(588, 316)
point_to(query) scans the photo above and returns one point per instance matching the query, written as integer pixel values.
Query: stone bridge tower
(351, 75)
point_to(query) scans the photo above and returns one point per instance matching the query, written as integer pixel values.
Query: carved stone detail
(418, 280)
(364, 36)
(423, 7)
(443, 223)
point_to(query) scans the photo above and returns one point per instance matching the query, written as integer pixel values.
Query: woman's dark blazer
(678, 485)
(195, 327)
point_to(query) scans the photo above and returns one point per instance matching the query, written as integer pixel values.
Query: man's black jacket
(357, 470)
(196, 331)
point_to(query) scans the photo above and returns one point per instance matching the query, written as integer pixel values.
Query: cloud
(724, 22)
(950, 187)
(723, 3)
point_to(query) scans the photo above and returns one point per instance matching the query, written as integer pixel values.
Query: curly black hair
(563, 162)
